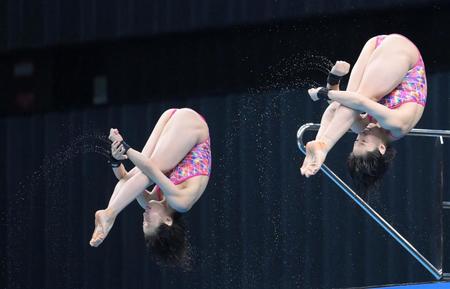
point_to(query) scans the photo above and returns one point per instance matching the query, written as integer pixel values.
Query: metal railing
(438, 274)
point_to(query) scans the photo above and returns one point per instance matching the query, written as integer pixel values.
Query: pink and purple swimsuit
(413, 88)
(196, 163)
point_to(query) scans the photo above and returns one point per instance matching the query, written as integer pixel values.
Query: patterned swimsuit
(413, 88)
(196, 163)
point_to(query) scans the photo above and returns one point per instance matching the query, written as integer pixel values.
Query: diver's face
(370, 139)
(155, 214)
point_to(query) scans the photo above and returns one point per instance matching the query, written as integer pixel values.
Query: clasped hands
(340, 68)
(117, 149)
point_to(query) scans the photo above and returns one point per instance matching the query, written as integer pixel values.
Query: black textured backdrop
(258, 225)
(29, 23)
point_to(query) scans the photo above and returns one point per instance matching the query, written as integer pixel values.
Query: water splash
(293, 73)
(47, 177)
(262, 107)
(249, 133)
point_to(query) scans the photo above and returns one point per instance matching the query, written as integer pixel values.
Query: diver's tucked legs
(104, 219)
(178, 137)
(118, 186)
(317, 150)
(329, 115)
(385, 70)
(353, 83)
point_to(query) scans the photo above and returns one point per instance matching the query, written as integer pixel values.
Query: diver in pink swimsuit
(177, 159)
(385, 98)
(196, 163)
(413, 87)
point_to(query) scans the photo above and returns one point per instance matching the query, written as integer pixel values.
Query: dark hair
(367, 170)
(168, 246)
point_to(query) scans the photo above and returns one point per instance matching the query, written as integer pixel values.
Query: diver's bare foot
(305, 164)
(317, 152)
(98, 233)
(104, 221)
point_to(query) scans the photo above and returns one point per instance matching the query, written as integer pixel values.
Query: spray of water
(249, 133)
(47, 177)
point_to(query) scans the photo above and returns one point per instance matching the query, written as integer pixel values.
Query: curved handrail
(371, 212)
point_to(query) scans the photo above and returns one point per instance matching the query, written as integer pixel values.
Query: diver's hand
(118, 151)
(340, 68)
(313, 93)
(114, 135)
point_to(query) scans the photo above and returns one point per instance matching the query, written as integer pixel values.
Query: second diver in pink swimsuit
(385, 98)
(177, 159)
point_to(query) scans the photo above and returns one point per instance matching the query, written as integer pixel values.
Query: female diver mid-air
(177, 159)
(384, 100)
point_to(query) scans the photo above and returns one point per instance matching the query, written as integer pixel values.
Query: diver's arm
(179, 199)
(390, 119)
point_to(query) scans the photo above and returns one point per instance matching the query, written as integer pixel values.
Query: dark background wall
(220, 61)
(42, 23)
(259, 224)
